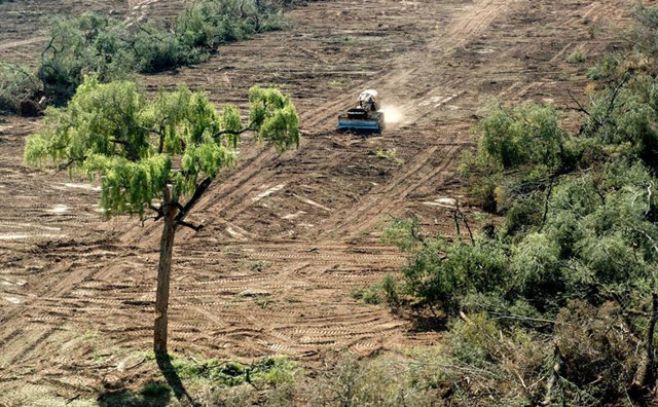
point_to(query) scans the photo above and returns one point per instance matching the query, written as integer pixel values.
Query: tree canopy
(158, 154)
(136, 146)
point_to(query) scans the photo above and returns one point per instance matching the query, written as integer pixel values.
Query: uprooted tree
(158, 155)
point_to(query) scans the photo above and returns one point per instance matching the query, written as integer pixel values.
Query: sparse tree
(158, 155)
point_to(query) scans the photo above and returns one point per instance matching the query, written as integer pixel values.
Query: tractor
(365, 117)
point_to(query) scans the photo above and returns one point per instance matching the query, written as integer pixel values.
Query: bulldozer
(365, 117)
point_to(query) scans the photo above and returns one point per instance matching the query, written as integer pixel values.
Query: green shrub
(381, 382)
(537, 269)
(528, 134)
(269, 371)
(156, 50)
(576, 57)
(391, 290)
(441, 272)
(20, 90)
(110, 49)
(403, 233)
(606, 69)
(210, 23)
(369, 295)
(523, 213)
(87, 44)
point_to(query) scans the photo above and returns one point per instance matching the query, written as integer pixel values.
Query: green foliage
(525, 135)
(605, 69)
(560, 292)
(269, 371)
(112, 50)
(271, 116)
(156, 50)
(441, 272)
(527, 141)
(576, 57)
(381, 382)
(391, 290)
(19, 90)
(370, 295)
(522, 212)
(403, 233)
(86, 44)
(622, 118)
(137, 146)
(535, 265)
(210, 23)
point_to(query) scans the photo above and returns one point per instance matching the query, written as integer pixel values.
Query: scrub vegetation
(112, 49)
(557, 303)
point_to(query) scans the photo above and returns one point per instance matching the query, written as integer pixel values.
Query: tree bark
(164, 273)
(650, 375)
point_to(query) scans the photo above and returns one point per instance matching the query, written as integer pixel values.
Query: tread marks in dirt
(272, 295)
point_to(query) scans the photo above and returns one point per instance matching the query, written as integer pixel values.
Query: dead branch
(192, 226)
(547, 200)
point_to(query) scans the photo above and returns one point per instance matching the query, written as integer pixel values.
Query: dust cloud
(392, 114)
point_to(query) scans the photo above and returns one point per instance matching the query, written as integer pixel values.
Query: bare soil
(287, 238)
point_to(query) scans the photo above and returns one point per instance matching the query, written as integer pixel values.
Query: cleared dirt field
(287, 238)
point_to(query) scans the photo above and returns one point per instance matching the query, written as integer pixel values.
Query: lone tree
(157, 155)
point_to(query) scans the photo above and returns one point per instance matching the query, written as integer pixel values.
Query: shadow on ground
(152, 394)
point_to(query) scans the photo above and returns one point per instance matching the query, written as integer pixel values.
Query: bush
(576, 57)
(20, 90)
(87, 44)
(381, 382)
(403, 233)
(441, 272)
(537, 269)
(370, 295)
(561, 292)
(597, 355)
(156, 50)
(270, 371)
(528, 134)
(109, 49)
(210, 23)
(391, 290)
(525, 143)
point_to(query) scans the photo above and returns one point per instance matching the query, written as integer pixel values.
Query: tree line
(112, 49)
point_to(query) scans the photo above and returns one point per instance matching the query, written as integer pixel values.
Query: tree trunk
(164, 273)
